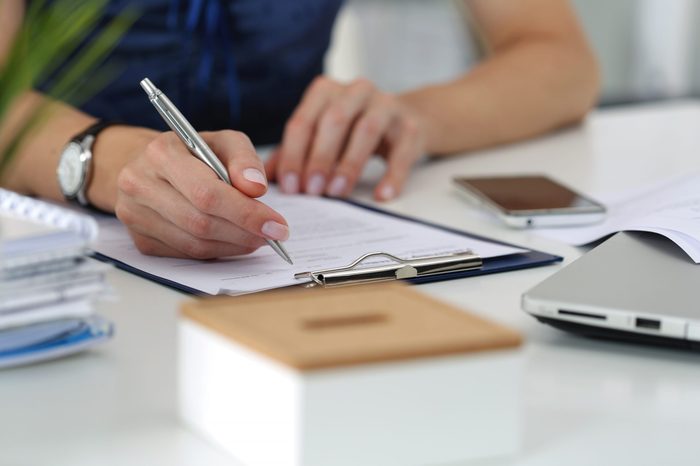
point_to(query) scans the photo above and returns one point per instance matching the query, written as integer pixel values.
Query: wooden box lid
(320, 328)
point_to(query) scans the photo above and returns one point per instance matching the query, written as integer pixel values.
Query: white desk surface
(584, 401)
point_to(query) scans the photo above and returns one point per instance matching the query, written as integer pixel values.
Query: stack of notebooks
(47, 284)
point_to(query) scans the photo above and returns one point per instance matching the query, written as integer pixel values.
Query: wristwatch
(74, 170)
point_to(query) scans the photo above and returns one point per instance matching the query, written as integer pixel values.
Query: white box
(268, 408)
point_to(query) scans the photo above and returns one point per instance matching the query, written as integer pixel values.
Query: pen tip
(279, 249)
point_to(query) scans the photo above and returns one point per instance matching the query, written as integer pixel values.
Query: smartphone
(529, 201)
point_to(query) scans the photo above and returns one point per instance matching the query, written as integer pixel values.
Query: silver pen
(194, 142)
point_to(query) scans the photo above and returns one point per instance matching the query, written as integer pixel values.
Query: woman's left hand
(336, 129)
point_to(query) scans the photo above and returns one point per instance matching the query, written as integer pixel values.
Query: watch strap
(94, 129)
(91, 131)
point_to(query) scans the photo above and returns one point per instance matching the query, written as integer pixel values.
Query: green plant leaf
(49, 45)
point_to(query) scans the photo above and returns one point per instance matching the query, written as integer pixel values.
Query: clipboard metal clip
(400, 269)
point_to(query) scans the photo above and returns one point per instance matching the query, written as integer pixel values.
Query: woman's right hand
(175, 205)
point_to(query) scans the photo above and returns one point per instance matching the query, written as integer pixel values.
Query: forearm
(523, 90)
(33, 170)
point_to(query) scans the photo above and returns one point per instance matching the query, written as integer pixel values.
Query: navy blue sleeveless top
(240, 64)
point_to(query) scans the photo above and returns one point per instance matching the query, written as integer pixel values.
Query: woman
(255, 66)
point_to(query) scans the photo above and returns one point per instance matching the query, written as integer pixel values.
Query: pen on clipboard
(194, 142)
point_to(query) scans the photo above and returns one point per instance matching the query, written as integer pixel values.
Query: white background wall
(646, 48)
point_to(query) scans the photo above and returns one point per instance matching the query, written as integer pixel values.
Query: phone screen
(527, 193)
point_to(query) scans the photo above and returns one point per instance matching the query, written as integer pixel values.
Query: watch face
(71, 169)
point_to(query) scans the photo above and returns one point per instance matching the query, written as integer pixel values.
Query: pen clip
(180, 131)
(180, 126)
(173, 124)
(399, 269)
(158, 99)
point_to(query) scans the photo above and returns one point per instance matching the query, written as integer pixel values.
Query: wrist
(415, 101)
(114, 147)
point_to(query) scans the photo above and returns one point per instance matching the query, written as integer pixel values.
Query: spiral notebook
(33, 231)
(47, 283)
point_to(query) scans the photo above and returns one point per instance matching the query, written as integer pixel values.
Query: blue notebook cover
(51, 340)
(524, 260)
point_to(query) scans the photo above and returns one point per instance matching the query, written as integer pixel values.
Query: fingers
(405, 150)
(366, 136)
(271, 164)
(176, 209)
(299, 132)
(244, 166)
(199, 185)
(173, 204)
(154, 247)
(334, 127)
(333, 133)
(163, 237)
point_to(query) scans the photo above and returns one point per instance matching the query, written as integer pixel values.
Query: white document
(671, 208)
(324, 233)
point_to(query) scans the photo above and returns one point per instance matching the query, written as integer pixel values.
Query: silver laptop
(634, 286)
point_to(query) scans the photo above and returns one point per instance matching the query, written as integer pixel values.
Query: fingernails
(274, 230)
(290, 183)
(387, 192)
(337, 186)
(255, 175)
(315, 184)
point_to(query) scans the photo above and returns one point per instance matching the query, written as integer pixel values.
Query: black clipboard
(518, 261)
(511, 262)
